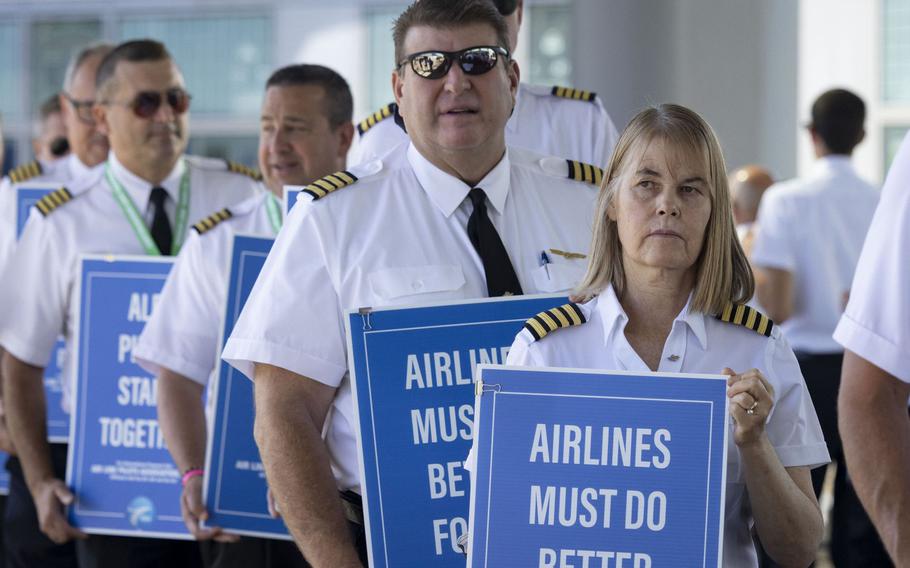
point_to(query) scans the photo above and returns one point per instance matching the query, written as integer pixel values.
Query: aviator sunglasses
(472, 61)
(146, 103)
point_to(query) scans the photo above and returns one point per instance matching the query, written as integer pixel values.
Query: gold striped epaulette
(566, 315)
(53, 200)
(239, 168)
(324, 186)
(25, 172)
(212, 220)
(580, 171)
(574, 94)
(369, 122)
(741, 314)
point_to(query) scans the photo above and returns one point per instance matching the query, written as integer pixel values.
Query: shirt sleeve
(182, 334)
(793, 427)
(7, 223)
(293, 318)
(876, 323)
(773, 244)
(34, 303)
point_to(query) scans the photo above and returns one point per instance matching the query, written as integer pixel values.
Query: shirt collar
(613, 315)
(140, 189)
(833, 163)
(448, 192)
(76, 168)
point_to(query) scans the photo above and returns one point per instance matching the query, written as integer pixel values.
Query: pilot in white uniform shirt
(397, 236)
(697, 343)
(88, 219)
(876, 323)
(62, 172)
(554, 121)
(183, 332)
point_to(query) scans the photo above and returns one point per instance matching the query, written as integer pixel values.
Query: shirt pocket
(394, 283)
(558, 276)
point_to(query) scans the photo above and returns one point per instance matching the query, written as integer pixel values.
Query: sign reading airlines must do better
(413, 371)
(598, 469)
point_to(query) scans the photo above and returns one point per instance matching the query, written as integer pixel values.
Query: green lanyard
(274, 211)
(138, 223)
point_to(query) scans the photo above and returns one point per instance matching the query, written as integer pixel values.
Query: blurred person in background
(50, 141)
(26, 544)
(810, 233)
(747, 185)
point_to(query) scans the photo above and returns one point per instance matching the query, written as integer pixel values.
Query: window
(52, 45)
(550, 54)
(225, 60)
(242, 149)
(11, 72)
(381, 54)
(896, 51)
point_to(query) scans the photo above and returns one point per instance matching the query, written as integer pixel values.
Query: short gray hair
(79, 57)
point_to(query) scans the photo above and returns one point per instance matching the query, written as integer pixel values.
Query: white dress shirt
(62, 172)
(697, 343)
(398, 237)
(41, 303)
(814, 229)
(876, 325)
(183, 332)
(541, 122)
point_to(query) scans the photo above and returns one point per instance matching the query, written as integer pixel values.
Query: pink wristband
(190, 474)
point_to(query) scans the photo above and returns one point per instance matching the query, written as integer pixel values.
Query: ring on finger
(751, 410)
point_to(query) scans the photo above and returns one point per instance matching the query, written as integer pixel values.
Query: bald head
(747, 184)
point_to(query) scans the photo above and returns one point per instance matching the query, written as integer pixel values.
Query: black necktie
(161, 227)
(501, 278)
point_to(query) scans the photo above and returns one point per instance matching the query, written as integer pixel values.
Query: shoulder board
(574, 94)
(26, 172)
(741, 314)
(239, 168)
(212, 220)
(322, 187)
(369, 122)
(580, 171)
(567, 315)
(53, 200)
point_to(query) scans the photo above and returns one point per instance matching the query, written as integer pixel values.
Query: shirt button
(417, 285)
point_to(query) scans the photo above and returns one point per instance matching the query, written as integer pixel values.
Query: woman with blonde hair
(665, 291)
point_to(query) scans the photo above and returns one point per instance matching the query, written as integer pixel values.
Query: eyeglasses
(473, 61)
(146, 103)
(83, 108)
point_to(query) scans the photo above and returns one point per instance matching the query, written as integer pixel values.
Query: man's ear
(514, 76)
(398, 88)
(346, 138)
(99, 112)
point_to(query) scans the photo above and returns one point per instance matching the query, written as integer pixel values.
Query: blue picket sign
(412, 374)
(118, 465)
(58, 422)
(580, 467)
(235, 486)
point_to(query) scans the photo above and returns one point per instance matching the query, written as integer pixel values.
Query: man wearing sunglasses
(305, 134)
(551, 120)
(141, 201)
(25, 544)
(454, 215)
